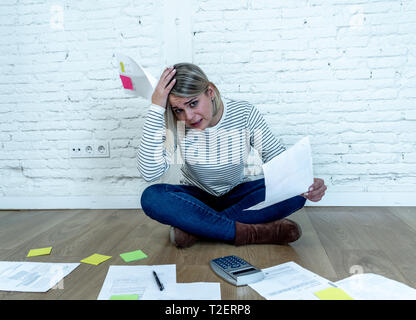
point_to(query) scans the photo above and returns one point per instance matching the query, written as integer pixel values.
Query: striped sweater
(214, 158)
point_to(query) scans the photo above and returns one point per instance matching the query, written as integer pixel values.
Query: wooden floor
(336, 242)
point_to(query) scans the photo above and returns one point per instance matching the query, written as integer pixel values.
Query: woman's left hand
(316, 191)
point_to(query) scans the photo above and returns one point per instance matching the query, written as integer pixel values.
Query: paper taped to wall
(135, 79)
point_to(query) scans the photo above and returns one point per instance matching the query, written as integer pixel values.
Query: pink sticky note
(127, 84)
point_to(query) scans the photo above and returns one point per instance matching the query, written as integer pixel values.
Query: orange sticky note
(127, 83)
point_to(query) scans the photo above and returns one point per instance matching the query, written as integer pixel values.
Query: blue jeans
(198, 212)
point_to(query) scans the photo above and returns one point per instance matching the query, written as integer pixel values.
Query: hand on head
(163, 87)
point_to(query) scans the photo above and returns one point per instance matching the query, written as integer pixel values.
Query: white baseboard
(87, 202)
(366, 199)
(345, 199)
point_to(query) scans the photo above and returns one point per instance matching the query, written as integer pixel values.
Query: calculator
(236, 270)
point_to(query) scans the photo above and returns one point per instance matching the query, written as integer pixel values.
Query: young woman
(214, 137)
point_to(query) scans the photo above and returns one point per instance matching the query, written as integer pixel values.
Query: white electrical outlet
(89, 149)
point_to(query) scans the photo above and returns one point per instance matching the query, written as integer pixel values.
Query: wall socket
(89, 149)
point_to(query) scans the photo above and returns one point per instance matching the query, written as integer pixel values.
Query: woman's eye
(193, 103)
(177, 110)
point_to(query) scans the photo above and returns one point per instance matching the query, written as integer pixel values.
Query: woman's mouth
(196, 124)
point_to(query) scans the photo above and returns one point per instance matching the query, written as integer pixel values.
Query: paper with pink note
(135, 79)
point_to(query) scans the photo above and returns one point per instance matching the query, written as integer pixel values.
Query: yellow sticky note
(39, 252)
(332, 294)
(95, 259)
(122, 67)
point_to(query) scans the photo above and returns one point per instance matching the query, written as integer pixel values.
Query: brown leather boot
(281, 231)
(181, 239)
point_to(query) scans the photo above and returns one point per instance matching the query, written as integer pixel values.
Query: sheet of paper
(128, 280)
(186, 291)
(125, 297)
(32, 276)
(370, 286)
(39, 252)
(288, 174)
(332, 293)
(133, 255)
(142, 82)
(95, 259)
(289, 281)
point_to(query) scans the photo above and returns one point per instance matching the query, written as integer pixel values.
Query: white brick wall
(342, 72)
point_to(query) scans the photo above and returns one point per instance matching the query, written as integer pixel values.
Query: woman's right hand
(163, 87)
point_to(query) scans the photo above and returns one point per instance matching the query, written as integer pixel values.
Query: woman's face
(196, 112)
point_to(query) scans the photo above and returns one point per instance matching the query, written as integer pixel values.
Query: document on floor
(370, 286)
(186, 291)
(135, 280)
(288, 174)
(32, 276)
(289, 281)
(139, 281)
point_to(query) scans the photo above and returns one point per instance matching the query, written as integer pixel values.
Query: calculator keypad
(236, 270)
(230, 262)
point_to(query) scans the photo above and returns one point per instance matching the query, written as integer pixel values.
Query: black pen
(161, 287)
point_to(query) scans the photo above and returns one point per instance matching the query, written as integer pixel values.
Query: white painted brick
(409, 157)
(223, 5)
(307, 65)
(265, 4)
(410, 114)
(249, 14)
(271, 24)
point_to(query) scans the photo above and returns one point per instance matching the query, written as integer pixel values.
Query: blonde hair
(191, 81)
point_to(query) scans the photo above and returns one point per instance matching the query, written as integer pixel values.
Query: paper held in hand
(288, 174)
(135, 79)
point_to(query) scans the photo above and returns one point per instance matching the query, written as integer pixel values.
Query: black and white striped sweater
(213, 159)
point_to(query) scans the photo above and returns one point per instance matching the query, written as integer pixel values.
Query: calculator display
(243, 271)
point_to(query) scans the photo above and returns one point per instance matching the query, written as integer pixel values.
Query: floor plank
(354, 239)
(336, 242)
(309, 249)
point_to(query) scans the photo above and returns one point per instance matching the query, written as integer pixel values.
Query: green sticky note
(39, 252)
(332, 294)
(125, 297)
(95, 259)
(133, 255)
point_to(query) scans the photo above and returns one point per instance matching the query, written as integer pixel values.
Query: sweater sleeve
(152, 160)
(261, 137)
